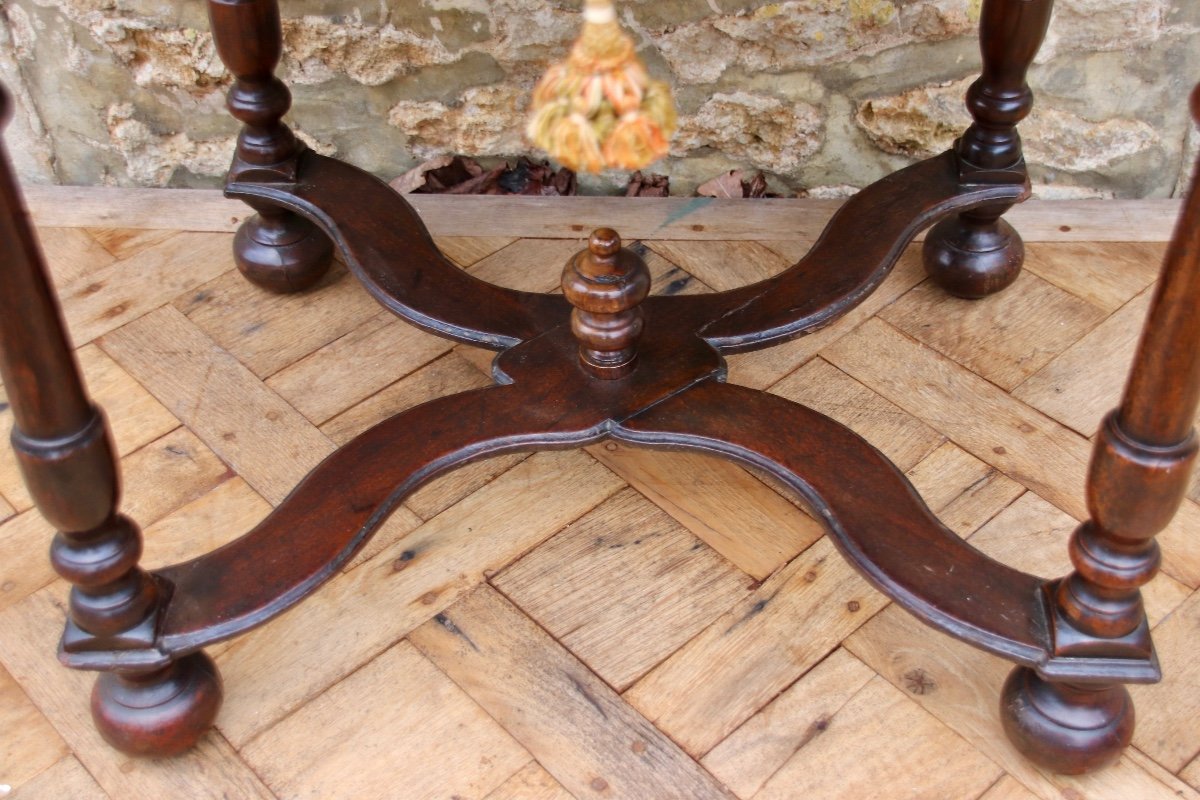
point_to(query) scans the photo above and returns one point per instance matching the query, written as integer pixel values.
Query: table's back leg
(66, 455)
(1139, 475)
(977, 253)
(275, 249)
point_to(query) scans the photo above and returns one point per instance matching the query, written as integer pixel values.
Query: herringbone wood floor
(600, 623)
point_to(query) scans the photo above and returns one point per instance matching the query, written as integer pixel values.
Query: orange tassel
(600, 109)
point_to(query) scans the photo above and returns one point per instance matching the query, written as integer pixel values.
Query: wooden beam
(697, 218)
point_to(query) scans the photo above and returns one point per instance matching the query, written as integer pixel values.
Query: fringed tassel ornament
(600, 109)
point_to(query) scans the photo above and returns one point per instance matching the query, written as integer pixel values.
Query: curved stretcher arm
(335, 510)
(873, 513)
(392, 253)
(853, 255)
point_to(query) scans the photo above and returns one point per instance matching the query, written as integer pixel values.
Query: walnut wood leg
(977, 253)
(281, 251)
(158, 712)
(65, 453)
(1138, 477)
(1068, 728)
(275, 249)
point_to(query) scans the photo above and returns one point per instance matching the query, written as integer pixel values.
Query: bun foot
(971, 256)
(281, 252)
(159, 713)
(1066, 729)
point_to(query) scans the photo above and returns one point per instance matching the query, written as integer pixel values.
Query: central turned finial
(606, 284)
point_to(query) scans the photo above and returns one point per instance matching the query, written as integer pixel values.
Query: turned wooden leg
(1138, 477)
(66, 455)
(977, 253)
(274, 249)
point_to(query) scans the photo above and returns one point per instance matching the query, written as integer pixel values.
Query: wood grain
(748, 757)
(403, 586)
(754, 682)
(850, 758)
(1080, 386)
(30, 744)
(1169, 713)
(958, 685)
(318, 751)
(724, 505)
(212, 770)
(67, 778)
(672, 586)
(669, 218)
(578, 728)
(267, 442)
(752, 652)
(1007, 338)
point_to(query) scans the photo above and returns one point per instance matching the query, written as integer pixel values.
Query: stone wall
(823, 95)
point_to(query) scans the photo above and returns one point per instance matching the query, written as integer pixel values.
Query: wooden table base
(605, 361)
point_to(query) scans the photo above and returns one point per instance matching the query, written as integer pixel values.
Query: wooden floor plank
(268, 331)
(902, 437)
(104, 299)
(667, 277)
(320, 751)
(30, 632)
(748, 655)
(981, 418)
(960, 686)
(29, 744)
(359, 614)
(256, 432)
(1004, 339)
(1008, 788)
(1106, 275)
(445, 376)
(762, 368)
(466, 250)
(855, 756)
(377, 353)
(24, 542)
(212, 520)
(1191, 773)
(1150, 220)
(722, 265)
(166, 474)
(963, 491)
(728, 508)
(528, 265)
(439, 378)
(66, 779)
(749, 756)
(1168, 728)
(1032, 535)
(71, 253)
(125, 242)
(577, 727)
(1085, 382)
(975, 414)
(671, 586)
(531, 783)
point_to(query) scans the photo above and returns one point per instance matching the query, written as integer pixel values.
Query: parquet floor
(601, 623)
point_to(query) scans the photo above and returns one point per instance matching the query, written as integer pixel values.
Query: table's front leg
(154, 705)
(977, 253)
(1139, 475)
(275, 248)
